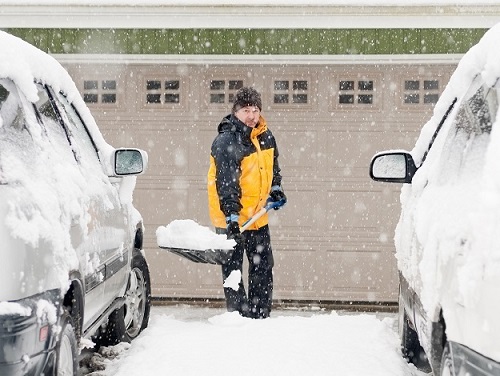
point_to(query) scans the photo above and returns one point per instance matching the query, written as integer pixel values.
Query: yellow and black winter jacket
(243, 168)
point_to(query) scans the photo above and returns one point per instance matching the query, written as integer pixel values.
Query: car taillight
(44, 333)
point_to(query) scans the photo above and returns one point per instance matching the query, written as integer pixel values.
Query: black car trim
(95, 279)
(415, 311)
(440, 125)
(431, 334)
(105, 271)
(115, 265)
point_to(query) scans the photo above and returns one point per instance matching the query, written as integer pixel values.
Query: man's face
(248, 115)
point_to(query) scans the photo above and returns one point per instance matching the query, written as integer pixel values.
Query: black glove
(276, 195)
(233, 231)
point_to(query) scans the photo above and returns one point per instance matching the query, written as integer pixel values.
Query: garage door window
(421, 92)
(163, 91)
(291, 92)
(99, 91)
(221, 91)
(356, 92)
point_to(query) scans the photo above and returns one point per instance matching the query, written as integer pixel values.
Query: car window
(11, 110)
(466, 144)
(477, 114)
(14, 135)
(80, 138)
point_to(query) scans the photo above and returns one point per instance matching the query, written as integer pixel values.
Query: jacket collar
(230, 123)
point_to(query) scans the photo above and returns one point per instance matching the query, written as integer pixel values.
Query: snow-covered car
(72, 270)
(448, 235)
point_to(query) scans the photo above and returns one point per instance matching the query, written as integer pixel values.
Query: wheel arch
(73, 302)
(139, 236)
(438, 342)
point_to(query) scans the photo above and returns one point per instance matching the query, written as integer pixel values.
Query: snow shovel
(220, 256)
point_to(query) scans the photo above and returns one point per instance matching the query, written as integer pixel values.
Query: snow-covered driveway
(186, 340)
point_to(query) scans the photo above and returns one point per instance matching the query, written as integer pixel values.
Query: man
(244, 174)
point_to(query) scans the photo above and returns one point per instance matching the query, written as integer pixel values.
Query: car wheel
(66, 349)
(410, 346)
(125, 323)
(447, 362)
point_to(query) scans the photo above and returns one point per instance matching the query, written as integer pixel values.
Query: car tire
(411, 349)
(66, 349)
(447, 368)
(128, 321)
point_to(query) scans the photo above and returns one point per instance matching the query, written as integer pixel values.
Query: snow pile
(187, 234)
(179, 342)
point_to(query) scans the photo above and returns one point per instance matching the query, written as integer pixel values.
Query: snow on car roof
(26, 64)
(483, 58)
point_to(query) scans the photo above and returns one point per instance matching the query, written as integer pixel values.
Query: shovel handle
(270, 205)
(252, 219)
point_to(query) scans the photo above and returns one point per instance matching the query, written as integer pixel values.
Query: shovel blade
(206, 256)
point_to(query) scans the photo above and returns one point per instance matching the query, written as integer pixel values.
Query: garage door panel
(349, 209)
(160, 266)
(295, 272)
(162, 205)
(298, 151)
(188, 279)
(200, 151)
(302, 210)
(360, 209)
(353, 271)
(168, 151)
(351, 149)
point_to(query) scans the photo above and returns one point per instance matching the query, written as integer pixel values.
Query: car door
(461, 264)
(102, 237)
(34, 252)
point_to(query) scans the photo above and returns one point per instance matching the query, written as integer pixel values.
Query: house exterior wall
(360, 80)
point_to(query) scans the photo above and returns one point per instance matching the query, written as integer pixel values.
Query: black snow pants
(257, 246)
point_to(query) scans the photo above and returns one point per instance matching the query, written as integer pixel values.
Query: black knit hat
(247, 96)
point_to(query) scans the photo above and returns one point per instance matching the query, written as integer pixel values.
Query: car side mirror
(129, 162)
(393, 167)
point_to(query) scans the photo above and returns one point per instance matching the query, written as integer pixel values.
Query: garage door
(333, 241)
